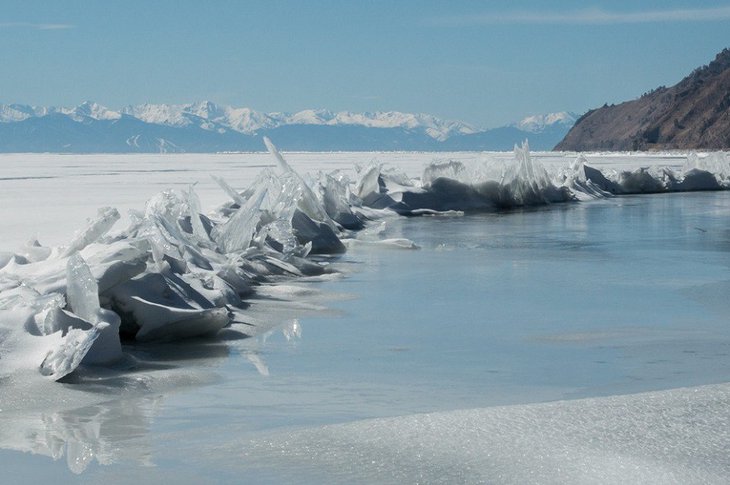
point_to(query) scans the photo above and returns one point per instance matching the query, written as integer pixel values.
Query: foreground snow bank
(175, 273)
(676, 436)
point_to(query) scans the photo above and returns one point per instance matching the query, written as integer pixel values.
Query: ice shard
(82, 292)
(106, 218)
(82, 295)
(337, 201)
(198, 229)
(66, 356)
(232, 193)
(236, 234)
(307, 200)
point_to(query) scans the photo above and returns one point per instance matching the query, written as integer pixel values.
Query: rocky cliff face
(693, 114)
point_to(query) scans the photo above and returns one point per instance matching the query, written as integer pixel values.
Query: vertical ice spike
(308, 201)
(82, 291)
(101, 344)
(283, 165)
(235, 235)
(237, 198)
(194, 209)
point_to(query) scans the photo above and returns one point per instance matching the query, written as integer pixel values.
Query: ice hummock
(452, 186)
(710, 172)
(176, 273)
(172, 273)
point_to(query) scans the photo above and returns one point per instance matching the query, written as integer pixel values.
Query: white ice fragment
(393, 243)
(235, 235)
(337, 201)
(109, 263)
(167, 204)
(305, 198)
(54, 318)
(452, 169)
(435, 213)
(176, 238)
(65, 357)
(158, 245)
(527, 180)
(396, 180)
(369, 182)
(107, 346)
(96, 228)
(715, 163)
(82, 292)
(194, 212)
(237, 198)
(574, 178)
(279, 233)
(283, 165)
(168, 306)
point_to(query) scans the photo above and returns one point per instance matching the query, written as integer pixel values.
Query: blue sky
(485, 62)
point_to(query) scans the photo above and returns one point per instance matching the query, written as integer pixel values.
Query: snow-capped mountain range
(206, 127)
(209, 115)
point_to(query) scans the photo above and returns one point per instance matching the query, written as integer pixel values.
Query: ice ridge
(176, 273)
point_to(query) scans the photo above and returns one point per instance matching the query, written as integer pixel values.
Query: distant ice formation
(175, 273)
(523, 181)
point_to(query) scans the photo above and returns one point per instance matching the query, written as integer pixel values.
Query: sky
(484, 62)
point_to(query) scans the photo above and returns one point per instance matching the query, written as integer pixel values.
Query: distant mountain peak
(538, 123)
(246, 120)
(90, 109)
(16, 112)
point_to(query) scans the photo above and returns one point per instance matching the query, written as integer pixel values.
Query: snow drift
(675, 436)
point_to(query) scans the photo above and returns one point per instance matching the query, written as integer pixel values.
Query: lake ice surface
(488, 329)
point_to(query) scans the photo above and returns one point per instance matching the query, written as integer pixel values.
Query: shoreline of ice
(167, 273)
(176, 273)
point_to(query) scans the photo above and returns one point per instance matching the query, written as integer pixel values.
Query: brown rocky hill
(693, 114)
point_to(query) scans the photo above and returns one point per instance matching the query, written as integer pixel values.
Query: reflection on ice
(105, 433)
(103, 414)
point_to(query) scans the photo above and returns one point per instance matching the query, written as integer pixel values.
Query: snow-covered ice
(677, 436)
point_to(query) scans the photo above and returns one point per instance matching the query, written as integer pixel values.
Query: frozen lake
(489, 327)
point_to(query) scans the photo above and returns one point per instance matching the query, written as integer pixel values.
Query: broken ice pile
(711, 172)
(173, 273)
(176, 273)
